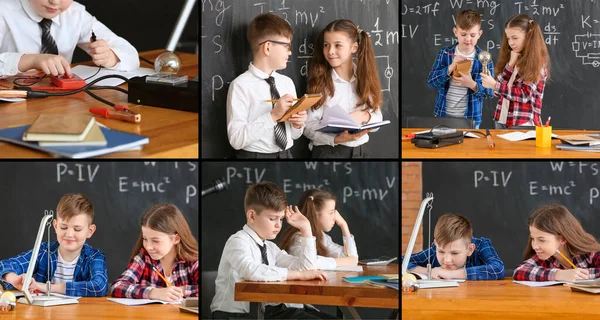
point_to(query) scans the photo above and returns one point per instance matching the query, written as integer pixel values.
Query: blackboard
(498, 197)
(119, 191)
(226, 54)
(367, 197)
(570, 30)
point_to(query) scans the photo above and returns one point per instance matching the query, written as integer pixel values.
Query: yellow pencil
(569, 261)
(346, 248)
(160, 275)
(295, 99)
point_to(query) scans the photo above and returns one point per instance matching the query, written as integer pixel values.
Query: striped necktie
(48, 43)
(280, 136)
(263, 253)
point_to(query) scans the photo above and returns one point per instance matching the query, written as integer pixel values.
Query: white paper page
(538, 283)
(337, 115)
(137, 302)
(519, 136)
(85, 72)
(347, 268)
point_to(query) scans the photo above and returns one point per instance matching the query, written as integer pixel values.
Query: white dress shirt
(249, 123)
(344, 96)
(334, 250)
(21, 34)
(242, 260)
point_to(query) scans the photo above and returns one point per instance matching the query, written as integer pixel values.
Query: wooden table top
(500, 299)
(98, 308)
(333, 292)
(172, 133)
(478, 148)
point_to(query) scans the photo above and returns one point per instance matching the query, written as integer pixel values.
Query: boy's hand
(282, 105)
(514, 56)
(102, 54)
(465, 80)
(297, 120)
(440, 273)
(50, 64)
(296, 219)
(345, 136)
(313, 274)
(487, 81)
(171, 293)
(455, 61)
(17, 281)
(572, 275)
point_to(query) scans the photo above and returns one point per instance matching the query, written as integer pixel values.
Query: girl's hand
(102, 54)
(487, 81)
(345, 136)
(360, 117)
(514, 56)
(572, 275)
(169, 294)
(296, 219)
(339, 220)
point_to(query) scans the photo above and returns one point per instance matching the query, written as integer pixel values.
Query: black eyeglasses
(287, 44)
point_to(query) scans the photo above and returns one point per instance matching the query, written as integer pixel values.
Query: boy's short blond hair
(467, 19)
(264, 195)
(451, 227)
(73, 204)
(267, 25)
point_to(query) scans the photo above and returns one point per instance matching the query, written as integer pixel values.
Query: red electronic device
(73, 82)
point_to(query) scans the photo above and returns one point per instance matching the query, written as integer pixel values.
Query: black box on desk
(182, 97)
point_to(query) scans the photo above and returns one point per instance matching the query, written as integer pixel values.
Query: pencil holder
(543, 137)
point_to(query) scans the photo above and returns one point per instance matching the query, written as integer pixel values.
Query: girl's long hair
(557, 220)
(311, 202)
(534, 56)
(368, 87)
(167, 218)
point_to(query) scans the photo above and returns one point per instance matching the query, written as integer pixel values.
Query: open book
(307, 101)
(335, 120)
(586, 282)
(137, 302)
(519, 136)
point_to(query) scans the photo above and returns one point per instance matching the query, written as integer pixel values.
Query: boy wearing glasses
(252, 126)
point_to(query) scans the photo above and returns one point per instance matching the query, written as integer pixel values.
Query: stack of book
(71, 136)
(589, 286)
(382, 280)
(580, 142)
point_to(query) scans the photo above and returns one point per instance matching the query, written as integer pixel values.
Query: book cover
(93, 138)
(361, 279)
(116, 141)
(59, 127)
(307, 101)
(335, 120)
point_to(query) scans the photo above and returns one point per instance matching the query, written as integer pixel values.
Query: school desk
(97, 308)
(334, 292)
(172, 133)
(500, 299)
(473, 148)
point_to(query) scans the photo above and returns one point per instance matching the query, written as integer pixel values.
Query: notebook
(138, 302)
(346, 268)
(59, 127)
(361, 279)
(381, 261)
(93, 138)
(335, 120)
(190, 305)
(307, 101)
(116, 141)
(383, 284)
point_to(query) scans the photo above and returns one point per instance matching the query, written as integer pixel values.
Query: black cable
(108, 88)
(146, 60)
(100, 67)
(68, 93)
(93, 95)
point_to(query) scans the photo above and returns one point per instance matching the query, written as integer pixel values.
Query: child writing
(164, 262)
(42, 35)
(521, 73)
(252, 126)
(456, 254)
(460, 96)
(319, 208)
(353, 87)
(554, 231)
(249, 256)
(76, 269)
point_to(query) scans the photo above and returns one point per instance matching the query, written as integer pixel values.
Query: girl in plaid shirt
(521, 73)
(553, 228)
(164, 262)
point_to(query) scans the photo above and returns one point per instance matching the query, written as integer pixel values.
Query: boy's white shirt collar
(253, 235)
(33, 15)
(335, 76)
(259, 73)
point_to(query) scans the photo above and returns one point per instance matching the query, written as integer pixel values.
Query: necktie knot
(45, 23)
(48, 43)
(270, 80)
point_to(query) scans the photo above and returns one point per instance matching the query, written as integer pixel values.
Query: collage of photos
(499, 144)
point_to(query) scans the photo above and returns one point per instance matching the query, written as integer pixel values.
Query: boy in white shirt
(248, 256)
(42, 35)
(252, 126)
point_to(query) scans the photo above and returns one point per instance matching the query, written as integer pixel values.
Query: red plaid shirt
(535, 269)
(525, 98)
(139, 278)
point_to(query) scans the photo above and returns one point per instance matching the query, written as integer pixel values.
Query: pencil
(295, 99)
(160, 275)
(569, 261)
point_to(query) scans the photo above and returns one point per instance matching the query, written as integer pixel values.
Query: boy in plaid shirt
(456, 254)
(76, 269)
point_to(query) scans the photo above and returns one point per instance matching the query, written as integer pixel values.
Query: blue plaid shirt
(483, 264)
(90, 278)
(439, 79)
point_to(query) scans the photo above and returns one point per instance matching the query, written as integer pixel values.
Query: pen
(109, 113)
(452, 55)
(547, 122)
(93, 36)
(37, 293)
(491, 143)
(569, 261)
(161, 276)
(295, 99)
